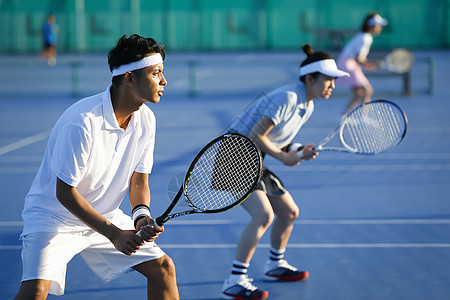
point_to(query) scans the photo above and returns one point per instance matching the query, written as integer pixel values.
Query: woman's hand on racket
(149, 231)
(309, 152)
(294, 157)
(372, 66)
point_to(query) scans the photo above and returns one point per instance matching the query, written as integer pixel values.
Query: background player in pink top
(354, 56)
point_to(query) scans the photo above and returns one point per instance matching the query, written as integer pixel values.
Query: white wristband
(295, 147)
(140, 211)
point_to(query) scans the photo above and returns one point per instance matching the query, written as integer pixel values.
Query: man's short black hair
(133, 48)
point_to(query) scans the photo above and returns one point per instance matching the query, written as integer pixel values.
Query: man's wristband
(140, 211)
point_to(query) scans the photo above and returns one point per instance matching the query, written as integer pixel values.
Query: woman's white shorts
(45, 255)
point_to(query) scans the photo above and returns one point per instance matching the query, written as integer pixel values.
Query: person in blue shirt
(50, 31)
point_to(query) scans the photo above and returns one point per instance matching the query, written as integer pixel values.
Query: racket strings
(374, 128)
(223, 175)
(400, 60)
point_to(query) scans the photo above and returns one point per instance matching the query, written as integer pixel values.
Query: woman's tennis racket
(369, 129)
(222, 175)
(399, 60)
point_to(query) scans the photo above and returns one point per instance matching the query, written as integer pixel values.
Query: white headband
(326, 66)
(147, 61)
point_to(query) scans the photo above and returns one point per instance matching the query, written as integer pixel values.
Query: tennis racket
(222, 175)
(399, 60)
(369, 129)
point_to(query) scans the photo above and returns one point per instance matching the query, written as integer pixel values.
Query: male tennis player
(100, 149)
(354, 56)
(272, 121)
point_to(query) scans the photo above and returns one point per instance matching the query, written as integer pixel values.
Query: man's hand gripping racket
(222, 175)
(369, 129)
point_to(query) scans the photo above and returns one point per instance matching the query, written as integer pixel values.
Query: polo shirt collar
(110, 120)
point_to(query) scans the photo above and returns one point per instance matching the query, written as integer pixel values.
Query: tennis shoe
(283, 271)
(242, 289)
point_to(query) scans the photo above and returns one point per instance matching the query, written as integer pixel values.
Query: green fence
(95, 25)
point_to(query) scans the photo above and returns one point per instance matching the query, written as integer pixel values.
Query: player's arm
(125, 241)
(140, 197)
(259, 135)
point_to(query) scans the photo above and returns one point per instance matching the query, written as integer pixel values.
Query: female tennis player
(100, 149)
(272, 121)
(354, 56)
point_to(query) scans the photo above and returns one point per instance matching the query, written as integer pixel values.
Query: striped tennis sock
(238, 269)
(276, 255)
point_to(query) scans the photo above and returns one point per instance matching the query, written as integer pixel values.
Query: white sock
(238, 269)
(276, 255)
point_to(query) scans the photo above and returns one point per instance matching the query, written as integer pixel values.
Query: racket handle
(159, 221)
(296, 147)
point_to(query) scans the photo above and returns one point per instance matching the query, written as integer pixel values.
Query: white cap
(326, 67)
(377, 20)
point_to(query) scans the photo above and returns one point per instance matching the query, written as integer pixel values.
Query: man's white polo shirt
(88, 150)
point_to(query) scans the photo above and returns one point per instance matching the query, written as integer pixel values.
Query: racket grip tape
(159, 221)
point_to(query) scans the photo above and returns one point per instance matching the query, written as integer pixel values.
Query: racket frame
(341, 127)
(386, 65)
(166, 216)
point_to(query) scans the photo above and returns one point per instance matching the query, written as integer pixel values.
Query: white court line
(312, 245)
(19, 170)
(11, 247)
(318, 222)
(316, 168)
(372, 168)
(291, 246)
(11, 224)
(298, 222)
(25, 142)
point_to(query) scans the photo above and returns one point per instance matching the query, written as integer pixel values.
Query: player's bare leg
(259, 208)
(358, 96)
(276, 268)
(287, 211)
(238, 284)
(161, 278)
(33, 289)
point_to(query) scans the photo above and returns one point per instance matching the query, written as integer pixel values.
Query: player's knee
(165, 269)
(32, 290)
(290, 214)
(294, 213)
(359, 92)
(369, 90)
(266, 219)
(168, 266)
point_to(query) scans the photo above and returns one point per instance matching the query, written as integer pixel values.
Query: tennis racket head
(223, 174)
(373, 127)
(399, 60)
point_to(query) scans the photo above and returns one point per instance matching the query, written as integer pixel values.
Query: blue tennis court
(370, 227)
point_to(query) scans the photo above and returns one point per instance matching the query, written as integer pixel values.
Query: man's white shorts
(45, 255)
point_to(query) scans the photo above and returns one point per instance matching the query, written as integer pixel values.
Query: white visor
(147, 61)
(326, 67)
(377, 20)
